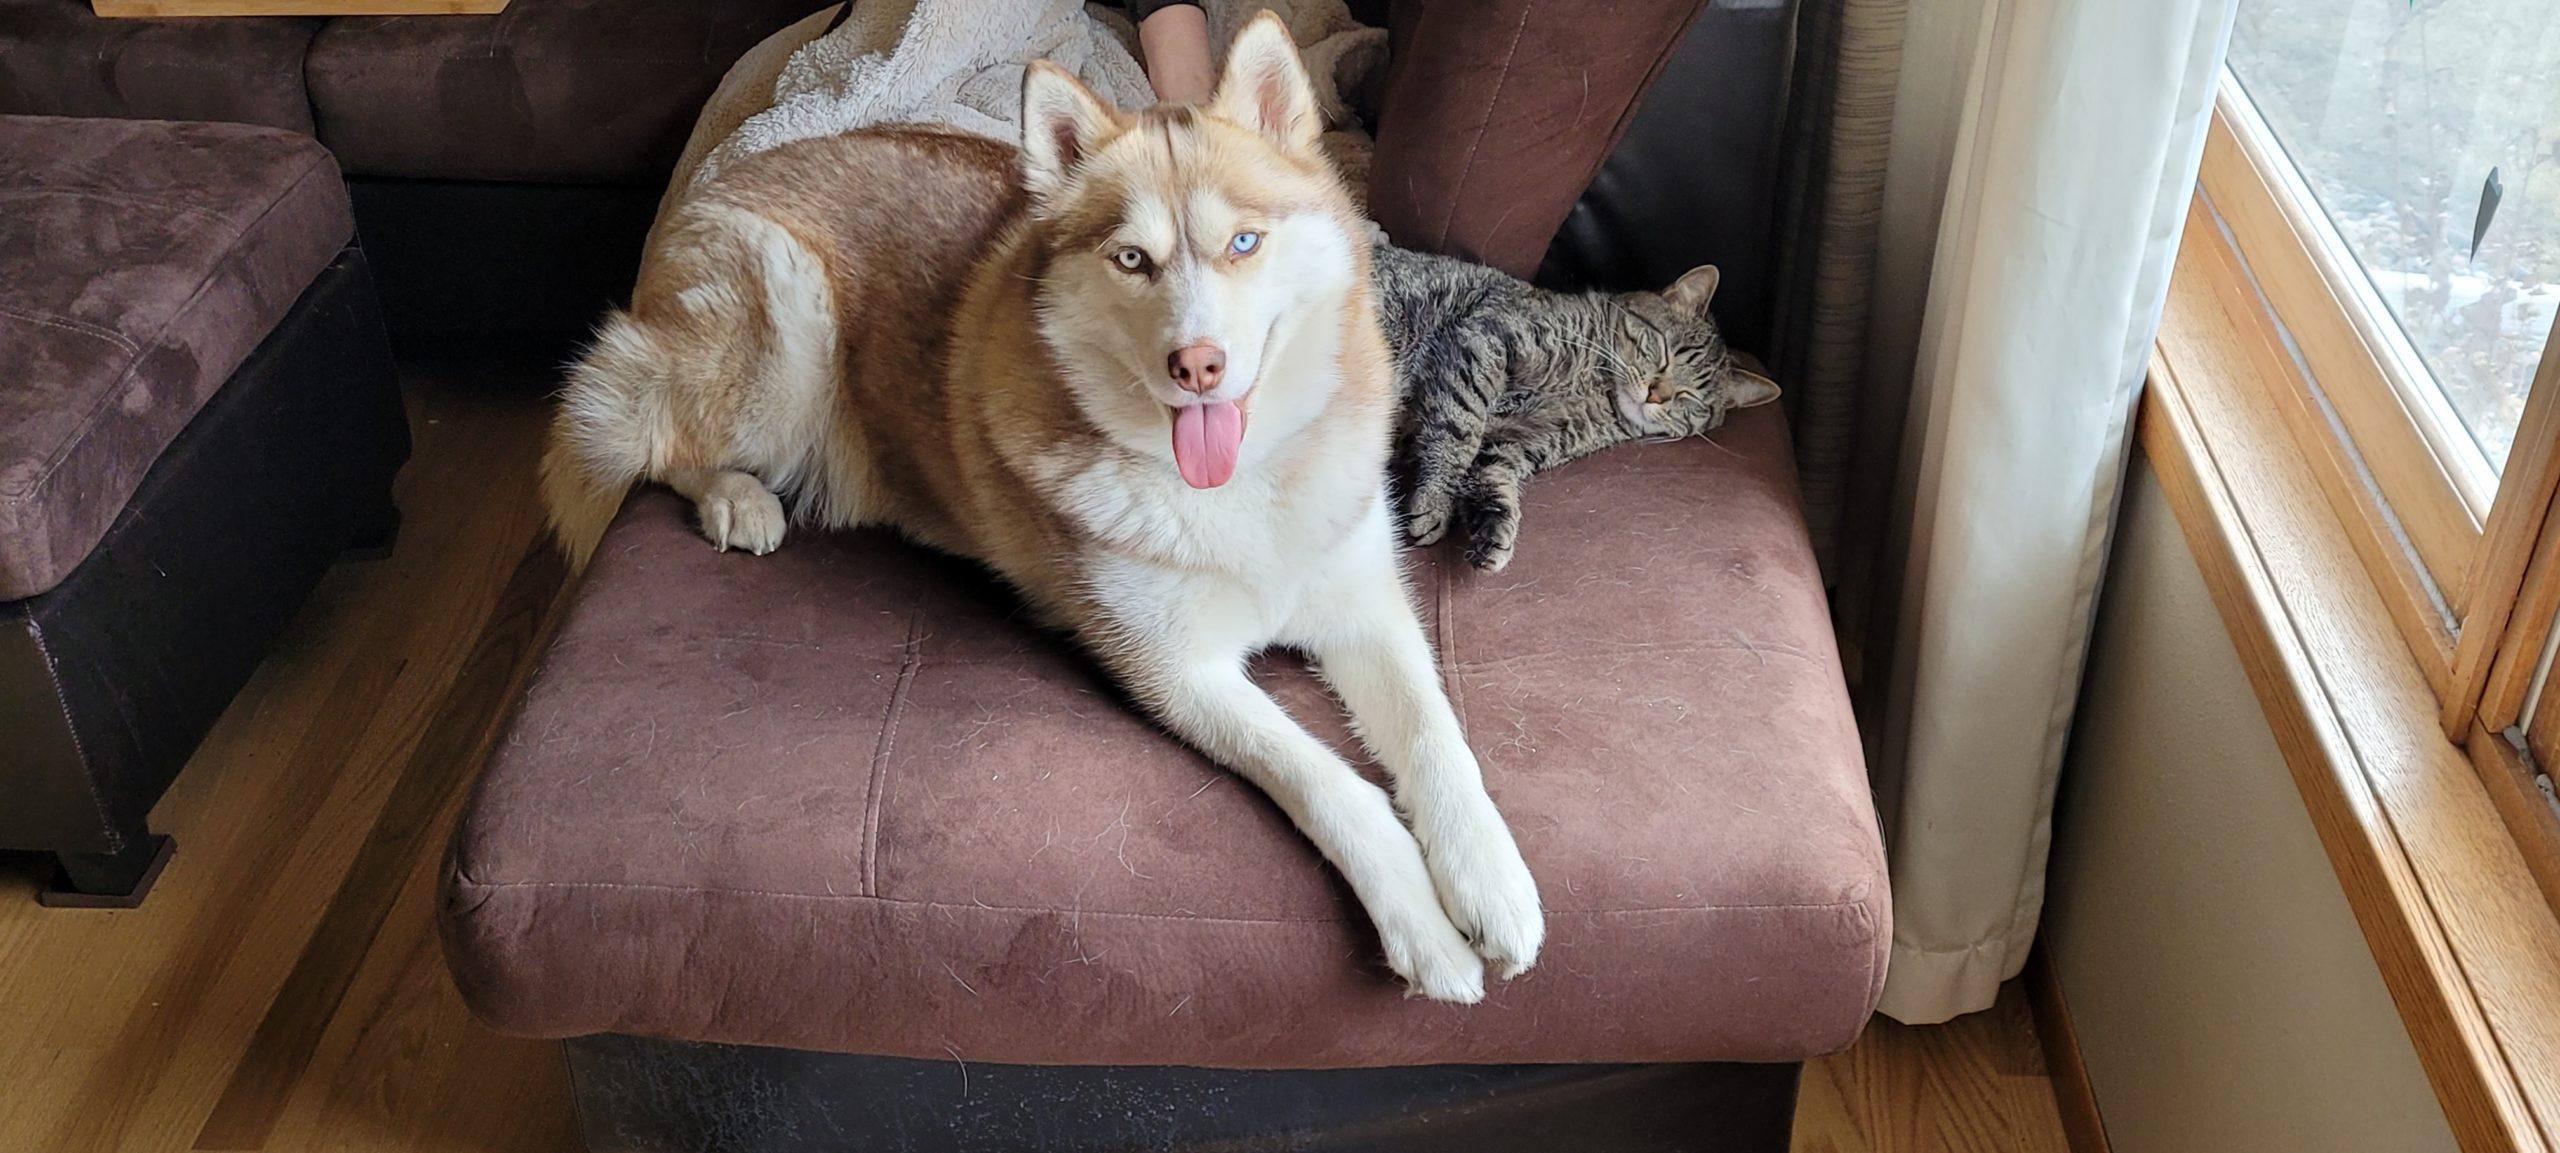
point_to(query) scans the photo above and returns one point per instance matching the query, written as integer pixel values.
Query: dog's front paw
(738, 512)
(1432, 956)
(1489, 894)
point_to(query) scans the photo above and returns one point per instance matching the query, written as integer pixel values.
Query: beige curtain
(2015, 225)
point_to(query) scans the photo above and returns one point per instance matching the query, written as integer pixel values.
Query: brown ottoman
(839, 800)
(198, 414)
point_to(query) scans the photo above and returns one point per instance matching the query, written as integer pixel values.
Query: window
(2386, 176)
(2429, 134)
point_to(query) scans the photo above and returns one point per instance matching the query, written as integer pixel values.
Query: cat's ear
(1745, 388)
(1062, 123)
(1695, 288)
(1265, 87)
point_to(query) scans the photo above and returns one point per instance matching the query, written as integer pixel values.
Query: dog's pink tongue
(1206, 440)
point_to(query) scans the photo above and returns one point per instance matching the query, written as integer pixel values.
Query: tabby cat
(1501, 380)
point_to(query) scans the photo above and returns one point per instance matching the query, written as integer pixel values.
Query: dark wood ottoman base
(109, 679)
(637, 1095)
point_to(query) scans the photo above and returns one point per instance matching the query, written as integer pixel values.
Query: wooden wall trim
(2073, 1097)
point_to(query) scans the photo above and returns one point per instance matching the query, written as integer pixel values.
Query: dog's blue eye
(1245, 242)
(1130, 259)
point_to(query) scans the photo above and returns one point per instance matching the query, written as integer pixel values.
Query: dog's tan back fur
(707, 368)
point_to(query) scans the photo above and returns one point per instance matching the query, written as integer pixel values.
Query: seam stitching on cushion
(1458, 191)
(79, 748)
(173, 208)
(1450, 664)
(696, 890)
(907, 666)
(1763, 651)
(80, 327)
(89, 420)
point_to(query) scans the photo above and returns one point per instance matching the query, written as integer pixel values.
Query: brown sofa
(504, 168)
(824, 851)
(841, 800)
(198, 415)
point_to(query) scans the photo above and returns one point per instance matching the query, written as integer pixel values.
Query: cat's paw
(1427, 526)
(1493, 526)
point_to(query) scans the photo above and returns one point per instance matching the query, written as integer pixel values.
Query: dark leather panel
(465, 260)
(57, 58)
(47, 785)
(148, 638)
(645, 1096)
(1693, 180)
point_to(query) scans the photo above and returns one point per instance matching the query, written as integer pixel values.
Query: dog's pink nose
(1198, 367)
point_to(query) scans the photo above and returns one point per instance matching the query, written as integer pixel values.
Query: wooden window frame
(2403, 434)
(2415, 825)
(2335, 501)
(2468, 559)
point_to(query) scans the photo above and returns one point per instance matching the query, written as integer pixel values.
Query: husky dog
(1136, 369)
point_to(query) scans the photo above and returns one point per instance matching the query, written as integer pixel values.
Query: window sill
(2466, 943)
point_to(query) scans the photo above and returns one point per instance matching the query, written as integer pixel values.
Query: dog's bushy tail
(601, 438)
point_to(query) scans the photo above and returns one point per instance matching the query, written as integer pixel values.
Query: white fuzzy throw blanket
(959, 63)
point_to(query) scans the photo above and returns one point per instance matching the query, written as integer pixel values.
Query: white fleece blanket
(958, 63)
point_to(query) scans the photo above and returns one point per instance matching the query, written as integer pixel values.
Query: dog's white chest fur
(1240, 561)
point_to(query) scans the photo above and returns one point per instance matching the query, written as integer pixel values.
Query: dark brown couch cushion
(140, 261)
(57, 58)
(837, 798)
(573, 91)
(1496, 113)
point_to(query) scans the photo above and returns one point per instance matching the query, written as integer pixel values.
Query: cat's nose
(1198, 367)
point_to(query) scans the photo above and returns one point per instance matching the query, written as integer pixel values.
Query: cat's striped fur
(1500, 380)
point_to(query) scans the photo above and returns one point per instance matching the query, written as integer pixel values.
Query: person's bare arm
(1175, 40)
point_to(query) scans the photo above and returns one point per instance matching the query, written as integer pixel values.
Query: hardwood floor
(282, 988)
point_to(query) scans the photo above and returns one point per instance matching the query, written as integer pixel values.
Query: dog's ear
(1062, 121)
(1694, 290)
(1265, 87)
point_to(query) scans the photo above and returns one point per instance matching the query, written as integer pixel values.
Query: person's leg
(1496, 114)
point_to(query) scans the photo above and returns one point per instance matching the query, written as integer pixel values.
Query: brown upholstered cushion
(57, 58)
(837, 798)
(140, 262)
(1496, 113)
(572, 91)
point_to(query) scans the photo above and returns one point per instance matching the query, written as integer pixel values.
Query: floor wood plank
(283, 991)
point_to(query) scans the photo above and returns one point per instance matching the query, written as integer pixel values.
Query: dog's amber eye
(1245, 243)
(1130, 260)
